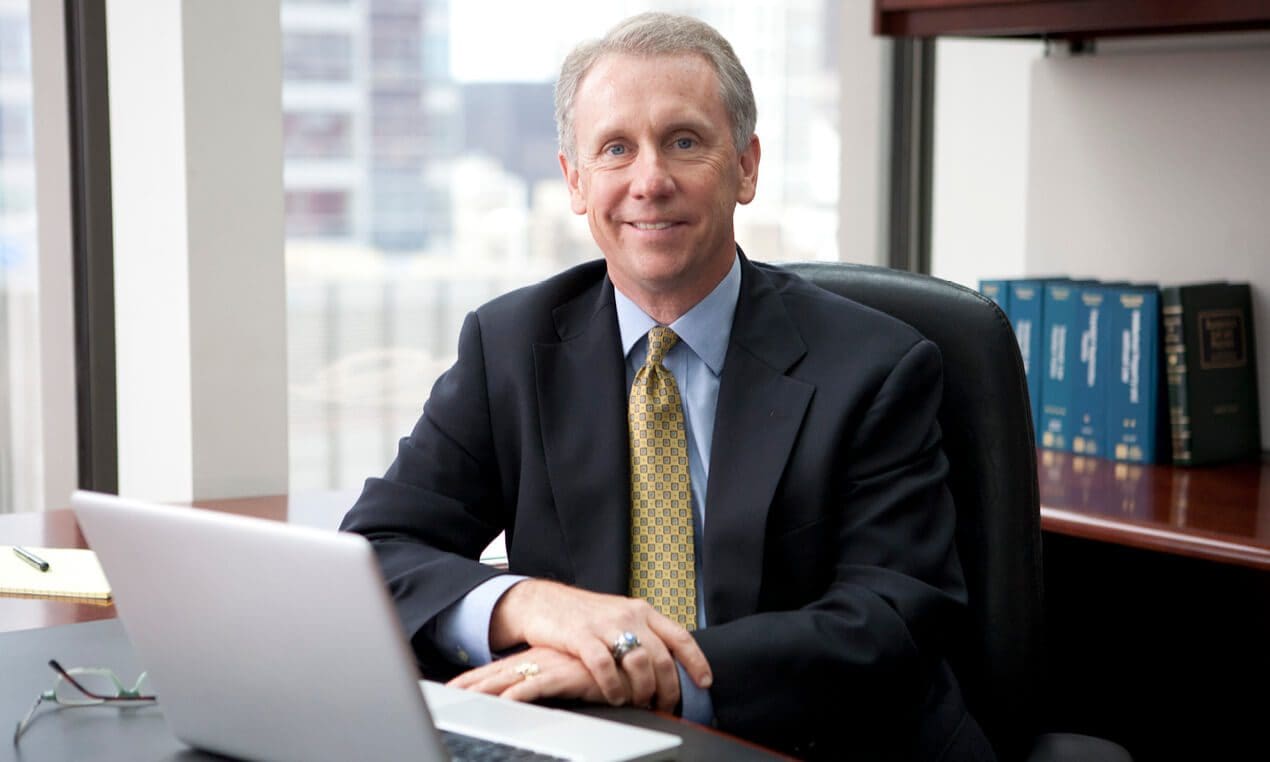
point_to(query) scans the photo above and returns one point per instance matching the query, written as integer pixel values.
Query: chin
(664, 268)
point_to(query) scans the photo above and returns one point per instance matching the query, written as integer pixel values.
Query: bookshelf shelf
(1218, 513)
(1064, 19)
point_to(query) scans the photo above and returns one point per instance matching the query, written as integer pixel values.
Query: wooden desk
(1155, 592)
(57, 529)
(1218, 513)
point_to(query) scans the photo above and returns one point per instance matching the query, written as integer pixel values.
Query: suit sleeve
(856, 664)
(437, 507)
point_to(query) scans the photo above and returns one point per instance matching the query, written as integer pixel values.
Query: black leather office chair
(987, 433)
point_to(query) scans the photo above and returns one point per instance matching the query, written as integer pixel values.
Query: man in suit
(742, 518)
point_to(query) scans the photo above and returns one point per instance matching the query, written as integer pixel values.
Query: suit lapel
(759, 414)
(582, 408)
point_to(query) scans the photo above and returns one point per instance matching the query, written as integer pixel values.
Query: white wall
(1151, 162)
(863, 66)
(57, 447)
(980, 173)
(200, 296)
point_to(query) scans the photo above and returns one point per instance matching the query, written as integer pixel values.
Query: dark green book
(1211, 367)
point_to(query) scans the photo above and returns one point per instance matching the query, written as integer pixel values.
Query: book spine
(998, 291)
(1132, 401)
(1056, 378)
(1222, 408)
(1176, 375)
(1089, 398)
(1027, 317)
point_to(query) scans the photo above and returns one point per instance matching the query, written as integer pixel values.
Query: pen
(31, 558)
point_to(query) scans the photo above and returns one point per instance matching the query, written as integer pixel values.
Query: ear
(748, 165)
(577, 200)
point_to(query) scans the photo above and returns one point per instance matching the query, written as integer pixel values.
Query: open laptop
(270, 641)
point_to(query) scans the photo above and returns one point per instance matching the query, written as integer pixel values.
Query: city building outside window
(21, 471)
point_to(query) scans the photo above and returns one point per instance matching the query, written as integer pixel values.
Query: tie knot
(660, 340)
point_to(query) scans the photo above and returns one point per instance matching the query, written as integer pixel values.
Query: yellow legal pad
(73, 573)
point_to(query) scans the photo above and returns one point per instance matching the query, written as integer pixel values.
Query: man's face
(657, 174)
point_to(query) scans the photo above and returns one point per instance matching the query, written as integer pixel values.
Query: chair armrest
(1071, 747)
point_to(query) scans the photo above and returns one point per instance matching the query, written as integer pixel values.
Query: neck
(668, 306)
(669, 310)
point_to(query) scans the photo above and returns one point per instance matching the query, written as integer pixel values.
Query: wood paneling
(1218, 514)
(1065, 18)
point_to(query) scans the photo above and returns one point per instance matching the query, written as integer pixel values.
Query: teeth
(651, 225)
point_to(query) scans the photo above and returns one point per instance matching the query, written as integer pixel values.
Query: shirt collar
(705, 328)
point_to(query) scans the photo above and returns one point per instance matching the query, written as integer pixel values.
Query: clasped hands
(570, 634)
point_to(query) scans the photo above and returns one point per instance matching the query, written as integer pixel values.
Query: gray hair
(659, 34)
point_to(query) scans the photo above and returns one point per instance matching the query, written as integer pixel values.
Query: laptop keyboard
(468, 749)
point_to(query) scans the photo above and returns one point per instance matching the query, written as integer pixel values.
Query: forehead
(620, 86)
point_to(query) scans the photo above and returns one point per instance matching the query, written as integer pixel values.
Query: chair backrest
(987, 430)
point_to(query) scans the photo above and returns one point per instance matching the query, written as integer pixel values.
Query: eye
(685, 143)
(617, 149)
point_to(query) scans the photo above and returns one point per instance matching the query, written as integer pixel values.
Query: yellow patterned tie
(661, 502)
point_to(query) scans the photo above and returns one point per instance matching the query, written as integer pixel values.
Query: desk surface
(106, 734)
(1218, 514)
(94, 637)
(57, 529)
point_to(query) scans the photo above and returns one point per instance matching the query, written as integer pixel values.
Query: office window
(15, 41)
(20, 433)
(317, 213)
(451, 193)
(317, 56)
(317, 135)
(15, 129)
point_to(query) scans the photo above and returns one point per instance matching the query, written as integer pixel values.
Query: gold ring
(527, 670)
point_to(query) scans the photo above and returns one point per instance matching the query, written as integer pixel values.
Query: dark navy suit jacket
(828, 560)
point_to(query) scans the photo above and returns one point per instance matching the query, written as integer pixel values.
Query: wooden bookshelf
(1216, 513)
(1065, 19)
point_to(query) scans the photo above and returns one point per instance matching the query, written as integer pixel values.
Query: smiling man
(654, 166)
(722, 487)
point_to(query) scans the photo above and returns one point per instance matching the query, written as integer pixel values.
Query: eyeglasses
(85, 686)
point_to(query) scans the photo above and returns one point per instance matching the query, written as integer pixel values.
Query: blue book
(1133, 396)
(1027, 313)
(998, 291)
(1061, 353)
(1093, 363)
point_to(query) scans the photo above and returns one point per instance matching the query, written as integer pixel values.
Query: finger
(604, 672)
(496, 681)
(567, 679)
(489, 679)
(552, 669)
(683, 647)
(466, 679)
(554, 683)
(653, 656)
(526, 690)
(638, 667)
(666, 674)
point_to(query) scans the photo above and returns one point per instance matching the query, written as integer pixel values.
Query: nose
(651, 176)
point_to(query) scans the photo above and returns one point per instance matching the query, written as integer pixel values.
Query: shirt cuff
(462, 630)
(697, 705)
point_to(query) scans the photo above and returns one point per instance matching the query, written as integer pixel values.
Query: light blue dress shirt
(462, 630)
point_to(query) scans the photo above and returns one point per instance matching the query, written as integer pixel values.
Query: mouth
(652, 226)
